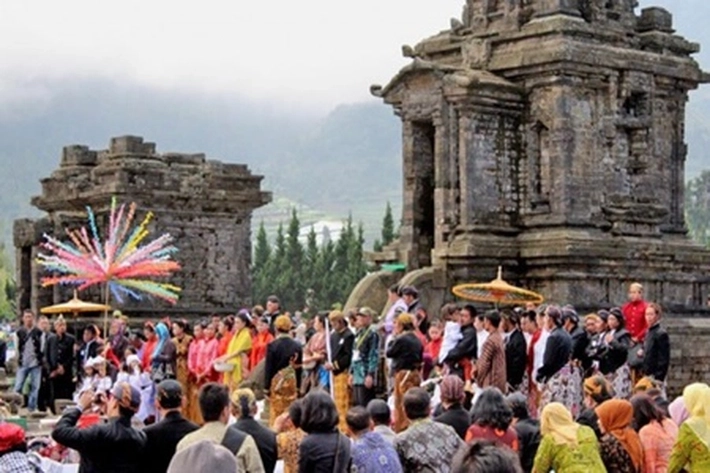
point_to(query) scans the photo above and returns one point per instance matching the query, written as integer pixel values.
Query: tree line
(312, 277)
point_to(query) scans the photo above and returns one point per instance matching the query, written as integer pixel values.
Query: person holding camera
(113, 447)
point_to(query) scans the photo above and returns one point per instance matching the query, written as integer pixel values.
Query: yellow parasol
(75, 306)
(497, 291)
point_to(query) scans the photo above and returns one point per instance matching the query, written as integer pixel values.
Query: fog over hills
(347, 161)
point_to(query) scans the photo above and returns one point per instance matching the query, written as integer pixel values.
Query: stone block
(130, 145)
(655, 19)
(78, 155)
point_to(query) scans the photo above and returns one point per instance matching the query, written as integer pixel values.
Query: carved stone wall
(205, 205)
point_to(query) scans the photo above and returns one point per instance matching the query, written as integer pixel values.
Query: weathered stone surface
(205, 205)
(547, 136)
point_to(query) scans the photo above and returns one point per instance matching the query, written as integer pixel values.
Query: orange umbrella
(497, 291)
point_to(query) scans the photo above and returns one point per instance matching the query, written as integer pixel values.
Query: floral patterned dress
(615, 457)
(564, 387)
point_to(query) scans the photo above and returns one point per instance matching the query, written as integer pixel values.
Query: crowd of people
(530, 389)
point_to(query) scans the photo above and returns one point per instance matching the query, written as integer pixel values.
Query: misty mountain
(346, 162)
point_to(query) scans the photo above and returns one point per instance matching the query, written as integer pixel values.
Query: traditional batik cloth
(427, 447)
(282, 393)
(371, 453)
(182, 373)
(403, 381)
(365, 356)
(564, 387)
(620, 380)
(341, 393)
(288, 445)
(614, 456)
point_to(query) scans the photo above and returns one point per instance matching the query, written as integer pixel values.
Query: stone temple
(547, 136)
(205, 205)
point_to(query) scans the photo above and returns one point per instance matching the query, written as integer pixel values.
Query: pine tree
(388, 234)
(262, 252)
(294, 296)
(377, 245)
(260, 266)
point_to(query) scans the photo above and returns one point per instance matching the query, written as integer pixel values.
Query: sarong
(283, 392)
(564, 387)
(341, 392)
(193, 411)
(403, 381)
(620, 381)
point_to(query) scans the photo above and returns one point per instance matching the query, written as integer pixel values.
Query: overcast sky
(315, 53)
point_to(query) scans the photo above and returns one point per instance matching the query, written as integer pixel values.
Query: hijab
(161, 330)
(677, 411)
(556, 420)
(615, 417)
(697, 400)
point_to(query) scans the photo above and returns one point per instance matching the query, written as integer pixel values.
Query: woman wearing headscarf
(597, 390)
(656, 431)
(452, 397)
(282, 372)
(613, 358)
(620, 445)
(566, 446)
(238, 352)
(559, 379)
(164, 355)
(692, 448)
(677, 411)
(406, 352)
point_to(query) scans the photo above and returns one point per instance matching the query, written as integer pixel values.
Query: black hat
(169, 394)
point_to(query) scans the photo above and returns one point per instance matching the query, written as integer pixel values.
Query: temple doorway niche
(424, 134)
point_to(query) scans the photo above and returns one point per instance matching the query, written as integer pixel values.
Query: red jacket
(635, 318)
